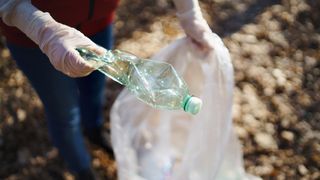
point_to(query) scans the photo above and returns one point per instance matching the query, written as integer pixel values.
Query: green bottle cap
(193, 105)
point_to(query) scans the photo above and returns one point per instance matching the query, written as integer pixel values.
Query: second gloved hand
(197, 28)
(193, 23)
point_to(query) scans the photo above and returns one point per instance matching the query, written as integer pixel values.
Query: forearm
(9, 10)
(184, 6)
(23, 15)
(6, 9)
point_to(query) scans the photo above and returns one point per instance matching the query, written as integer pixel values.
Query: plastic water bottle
(154, 82)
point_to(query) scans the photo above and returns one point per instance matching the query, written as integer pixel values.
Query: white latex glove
(56, 40)
(193, 23)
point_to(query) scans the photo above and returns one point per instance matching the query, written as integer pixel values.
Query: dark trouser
(68, 102)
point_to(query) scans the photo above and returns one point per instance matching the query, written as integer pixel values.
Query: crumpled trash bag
(153, 144)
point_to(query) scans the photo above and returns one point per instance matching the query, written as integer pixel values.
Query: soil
(275, 50)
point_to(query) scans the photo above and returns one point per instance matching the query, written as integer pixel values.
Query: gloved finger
(198, 49)
(97, 49)
(200, 33)
(92, 46)
(202, 43)
(206, 41)
(75, 65)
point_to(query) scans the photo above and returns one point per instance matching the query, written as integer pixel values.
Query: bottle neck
(186, 102)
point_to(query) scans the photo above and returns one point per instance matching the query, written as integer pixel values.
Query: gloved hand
(193, 23)
(56, 40)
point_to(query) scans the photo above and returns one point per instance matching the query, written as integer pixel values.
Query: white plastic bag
(152, 144)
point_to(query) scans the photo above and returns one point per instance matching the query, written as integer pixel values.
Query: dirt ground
(274, 45)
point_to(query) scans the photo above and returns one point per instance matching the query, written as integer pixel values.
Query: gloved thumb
(74, 65)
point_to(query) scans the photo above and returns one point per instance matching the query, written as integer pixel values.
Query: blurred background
(274, 45)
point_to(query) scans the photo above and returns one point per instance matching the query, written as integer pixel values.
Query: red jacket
(88, 16)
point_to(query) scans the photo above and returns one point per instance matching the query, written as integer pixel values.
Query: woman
(43, 45)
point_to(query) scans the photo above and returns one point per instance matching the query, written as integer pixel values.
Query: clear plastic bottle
(154, 82)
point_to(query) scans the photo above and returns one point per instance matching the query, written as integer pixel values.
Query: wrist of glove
(56, 40)
(196, 27)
